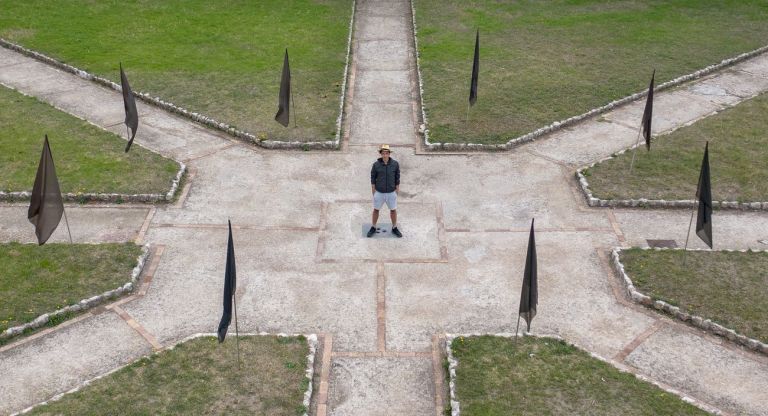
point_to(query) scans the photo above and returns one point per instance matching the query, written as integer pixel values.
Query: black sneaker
(397, 232)
(371, 232)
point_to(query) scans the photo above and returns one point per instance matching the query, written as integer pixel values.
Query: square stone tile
(382, 123)
(383, 55)
(382, 27)
(383, 87)
(381, 387)
(341, 239)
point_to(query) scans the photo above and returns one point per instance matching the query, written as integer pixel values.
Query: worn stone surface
(695, 364)
(65, 358)
(381, 387)
(88, 224)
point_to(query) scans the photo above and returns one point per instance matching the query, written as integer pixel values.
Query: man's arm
(373, 178)
(397, 179)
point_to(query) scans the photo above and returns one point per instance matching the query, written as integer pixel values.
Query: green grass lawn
(219, 58)
(730, 288)
(738, 150)
(41, 279)
(200, 377)
(542, 62)
(544, 376)
(87, 159)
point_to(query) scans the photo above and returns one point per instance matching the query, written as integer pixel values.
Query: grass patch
(87, 158)
(544, 376)
(222, 59)
(730, 288)
(201, 377)
(738, 150)
(41, 279)
(546, 61)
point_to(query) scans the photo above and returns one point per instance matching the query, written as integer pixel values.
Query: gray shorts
(380, 198)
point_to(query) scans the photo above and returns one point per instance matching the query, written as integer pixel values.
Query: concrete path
(380, 305)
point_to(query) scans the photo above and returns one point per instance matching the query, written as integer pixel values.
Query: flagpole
(518, 327)
(293, 104)
(634, 152)
(237, 332)
(468, 105)
(67, 222)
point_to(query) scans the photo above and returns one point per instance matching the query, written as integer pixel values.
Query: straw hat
(384, 147)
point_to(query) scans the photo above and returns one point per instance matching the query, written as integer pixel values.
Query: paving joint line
(145, 226)
(549, 159)
(616, 228)
(642, 337)
(212, 152)
(438, 374)
(151, 340)
(325, 370)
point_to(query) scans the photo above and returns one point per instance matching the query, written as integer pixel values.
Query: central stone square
(341, 239)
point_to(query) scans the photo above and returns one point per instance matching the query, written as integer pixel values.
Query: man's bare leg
(375, 217)
(393, 217)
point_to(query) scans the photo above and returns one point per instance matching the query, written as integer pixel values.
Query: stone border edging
(453, 363)
(200, 118)
(654, 203)
(311, 340)
(104, 197)
(557, 125)
(695, 320)
(84, 304)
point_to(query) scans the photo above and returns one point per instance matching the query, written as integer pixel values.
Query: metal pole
(634, 152)
(518, 327)
(468, 105)
(66, 221)
(690, 223)
(293, 104)
(237, 332)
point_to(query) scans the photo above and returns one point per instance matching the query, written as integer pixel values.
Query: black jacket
(385, 177)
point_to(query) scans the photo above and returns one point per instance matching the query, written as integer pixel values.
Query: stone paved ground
(381, 305)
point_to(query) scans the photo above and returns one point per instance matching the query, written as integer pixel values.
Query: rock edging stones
(695, 320)
(453, 363)
(200, 118)
(557, 125)
(311, 340)
(84, 304)
(592, 201)
(107, 198)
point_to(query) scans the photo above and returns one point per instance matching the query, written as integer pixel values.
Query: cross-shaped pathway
(381, 306)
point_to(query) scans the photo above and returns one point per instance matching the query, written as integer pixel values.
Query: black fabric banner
(475, 70)
(47, 205)
(131, 114)
(230, 285)
(529, 297)
(648, 113)
(704, 194)
(284, 100)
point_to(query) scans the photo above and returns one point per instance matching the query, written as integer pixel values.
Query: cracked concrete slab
(383, 55)
(75, 354)
(374, 26)
(587, 142)
(381, 387)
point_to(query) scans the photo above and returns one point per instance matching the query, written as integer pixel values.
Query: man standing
(385, 185)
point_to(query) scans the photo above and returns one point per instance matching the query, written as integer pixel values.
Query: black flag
(230, 285)
(529, 297)
(648, 113)
(131, 115)
(475, 70)
(284, 99)
(47, 206)
(704, 194)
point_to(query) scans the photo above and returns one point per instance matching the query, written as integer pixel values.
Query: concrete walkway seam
(311, 340)
(557, 125)
(674, 311)
(84, 304)
(197, 117)
(453, 363)
(106, 197)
